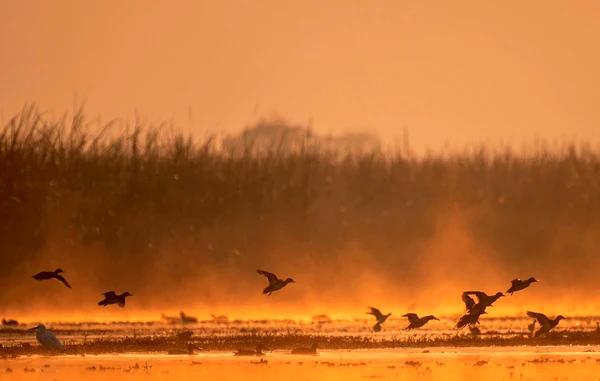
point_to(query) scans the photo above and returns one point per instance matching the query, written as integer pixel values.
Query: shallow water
(509, 363)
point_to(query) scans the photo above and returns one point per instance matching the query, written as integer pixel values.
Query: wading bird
(312, 350)
(274, 282)
(187, 349)
(111, 297)
(380, 318)
(249, 352)
(47, 338)
(546, 324)
(518, 284)
(416, 321)
(45, 275)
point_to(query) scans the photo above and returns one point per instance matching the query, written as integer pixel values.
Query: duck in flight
(416, 321)
(45, 275)
(546, 324)
(518, 284)
(47, 339)
(379, 317)
(111, 297)
(274, 282)
(470, 318)
(312, 350)
(483, 300)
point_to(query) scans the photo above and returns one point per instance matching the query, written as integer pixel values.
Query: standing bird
(381, 318)
(546, 324)
(47, 338)
(518, 284)
(312, 350)
(249, 352)
(416, 321)
(111, 297)
(45, 275)
(274, 282)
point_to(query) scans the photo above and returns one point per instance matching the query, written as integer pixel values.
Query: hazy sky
(446, 71)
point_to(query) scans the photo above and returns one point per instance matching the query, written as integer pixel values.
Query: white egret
(47, 338)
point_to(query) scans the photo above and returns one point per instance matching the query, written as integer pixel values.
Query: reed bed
(120, 194)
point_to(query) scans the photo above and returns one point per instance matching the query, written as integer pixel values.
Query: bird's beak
(435, 318)
(32, 329)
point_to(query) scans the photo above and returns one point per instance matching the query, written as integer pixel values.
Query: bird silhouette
(45, 275)
(471, 318)
(416, 321)
(250, 352)
(187, 349)
(110, 297)
(483, 300)
(312, 350)
(518, 284)
(274, 282)
(46, 338)
(546, 324)
(379, 317)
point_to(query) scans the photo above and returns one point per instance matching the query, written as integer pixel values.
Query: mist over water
(184, 225)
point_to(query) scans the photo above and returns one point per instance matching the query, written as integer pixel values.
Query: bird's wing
(515, 282)
(479, 294)
(62, 279)
(541, 318)
(411, 317)
(375, 312)
(270, 276)
(109, 294)
(469, 302)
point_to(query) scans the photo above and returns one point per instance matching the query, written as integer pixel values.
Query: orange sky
(446, 71)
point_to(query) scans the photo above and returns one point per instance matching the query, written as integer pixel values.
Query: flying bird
(45, 275)
(312, 350)
(274, 282)
(47, 338)
(518, 284)
(379, 317)
(483, 300)
(416, 321)
(111, 297)
(546, 324)
(470, 319)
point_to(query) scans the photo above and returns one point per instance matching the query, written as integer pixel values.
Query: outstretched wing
(375, 312)
(62, 279)
(541, 318)
(480, 295)
(109, 295)
(469, 302)
(413, 318)
(270, 276)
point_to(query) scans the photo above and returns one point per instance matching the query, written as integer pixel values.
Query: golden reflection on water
(557, 363)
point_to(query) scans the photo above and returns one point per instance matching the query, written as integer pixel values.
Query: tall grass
(134, 191)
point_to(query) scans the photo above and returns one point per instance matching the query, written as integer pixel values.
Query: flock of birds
(476, 303)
